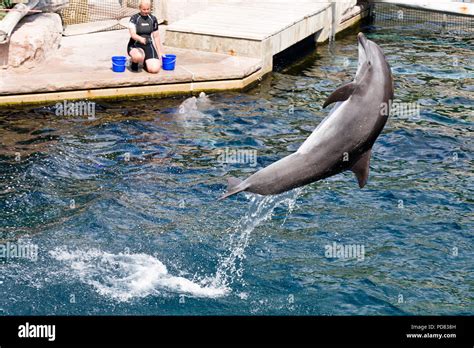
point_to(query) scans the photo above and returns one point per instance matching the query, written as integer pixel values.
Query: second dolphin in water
(343, 140)
(195, 104)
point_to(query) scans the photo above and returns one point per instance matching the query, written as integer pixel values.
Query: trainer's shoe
(134, 67)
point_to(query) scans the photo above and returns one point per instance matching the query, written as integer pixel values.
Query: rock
(35, 38)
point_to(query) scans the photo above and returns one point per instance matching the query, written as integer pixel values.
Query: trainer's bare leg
(137, 55)
(153, 65)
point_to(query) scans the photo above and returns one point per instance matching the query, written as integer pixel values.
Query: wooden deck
(259, 29)
(251, 29)
(255, 21)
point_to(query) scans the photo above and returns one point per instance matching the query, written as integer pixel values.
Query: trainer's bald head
(145, 7)
(144, 3)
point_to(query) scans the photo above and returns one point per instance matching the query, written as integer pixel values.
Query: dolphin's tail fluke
(234, 186)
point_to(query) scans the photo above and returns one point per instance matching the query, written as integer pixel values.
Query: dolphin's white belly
(327, 129)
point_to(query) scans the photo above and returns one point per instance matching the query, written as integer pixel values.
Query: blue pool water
(146, 234)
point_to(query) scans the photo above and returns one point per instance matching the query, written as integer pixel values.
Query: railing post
(332, 33)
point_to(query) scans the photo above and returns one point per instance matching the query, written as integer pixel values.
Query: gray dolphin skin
(343, 140)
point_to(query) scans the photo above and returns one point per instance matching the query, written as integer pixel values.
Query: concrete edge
(158, 91)
(193, 32)
(349, 24)
(355, 19)
(314, 13)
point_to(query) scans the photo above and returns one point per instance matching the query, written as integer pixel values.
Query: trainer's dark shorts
(150, 51)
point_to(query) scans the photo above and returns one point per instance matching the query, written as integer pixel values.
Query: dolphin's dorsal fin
(361, 168)
(340, 94)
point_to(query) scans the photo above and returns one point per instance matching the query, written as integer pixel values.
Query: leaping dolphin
(343, 140)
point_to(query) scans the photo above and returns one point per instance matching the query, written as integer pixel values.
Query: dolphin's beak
(365, 51)
(364, 54)
(362, 40)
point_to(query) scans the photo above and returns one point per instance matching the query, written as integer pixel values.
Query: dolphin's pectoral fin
(233, 186)
(361, 168)
(340, 94)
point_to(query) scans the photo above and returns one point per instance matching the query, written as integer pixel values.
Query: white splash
(261, 209)
(126, 276)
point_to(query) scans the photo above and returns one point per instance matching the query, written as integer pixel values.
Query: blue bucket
(119, 63)
(169, 61)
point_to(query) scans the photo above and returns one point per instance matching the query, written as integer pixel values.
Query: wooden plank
(284, 23)
(225, 25)
(258, 21)
(249, 36)
(256, 18)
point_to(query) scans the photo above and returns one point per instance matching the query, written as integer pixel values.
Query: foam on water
(127, 276)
